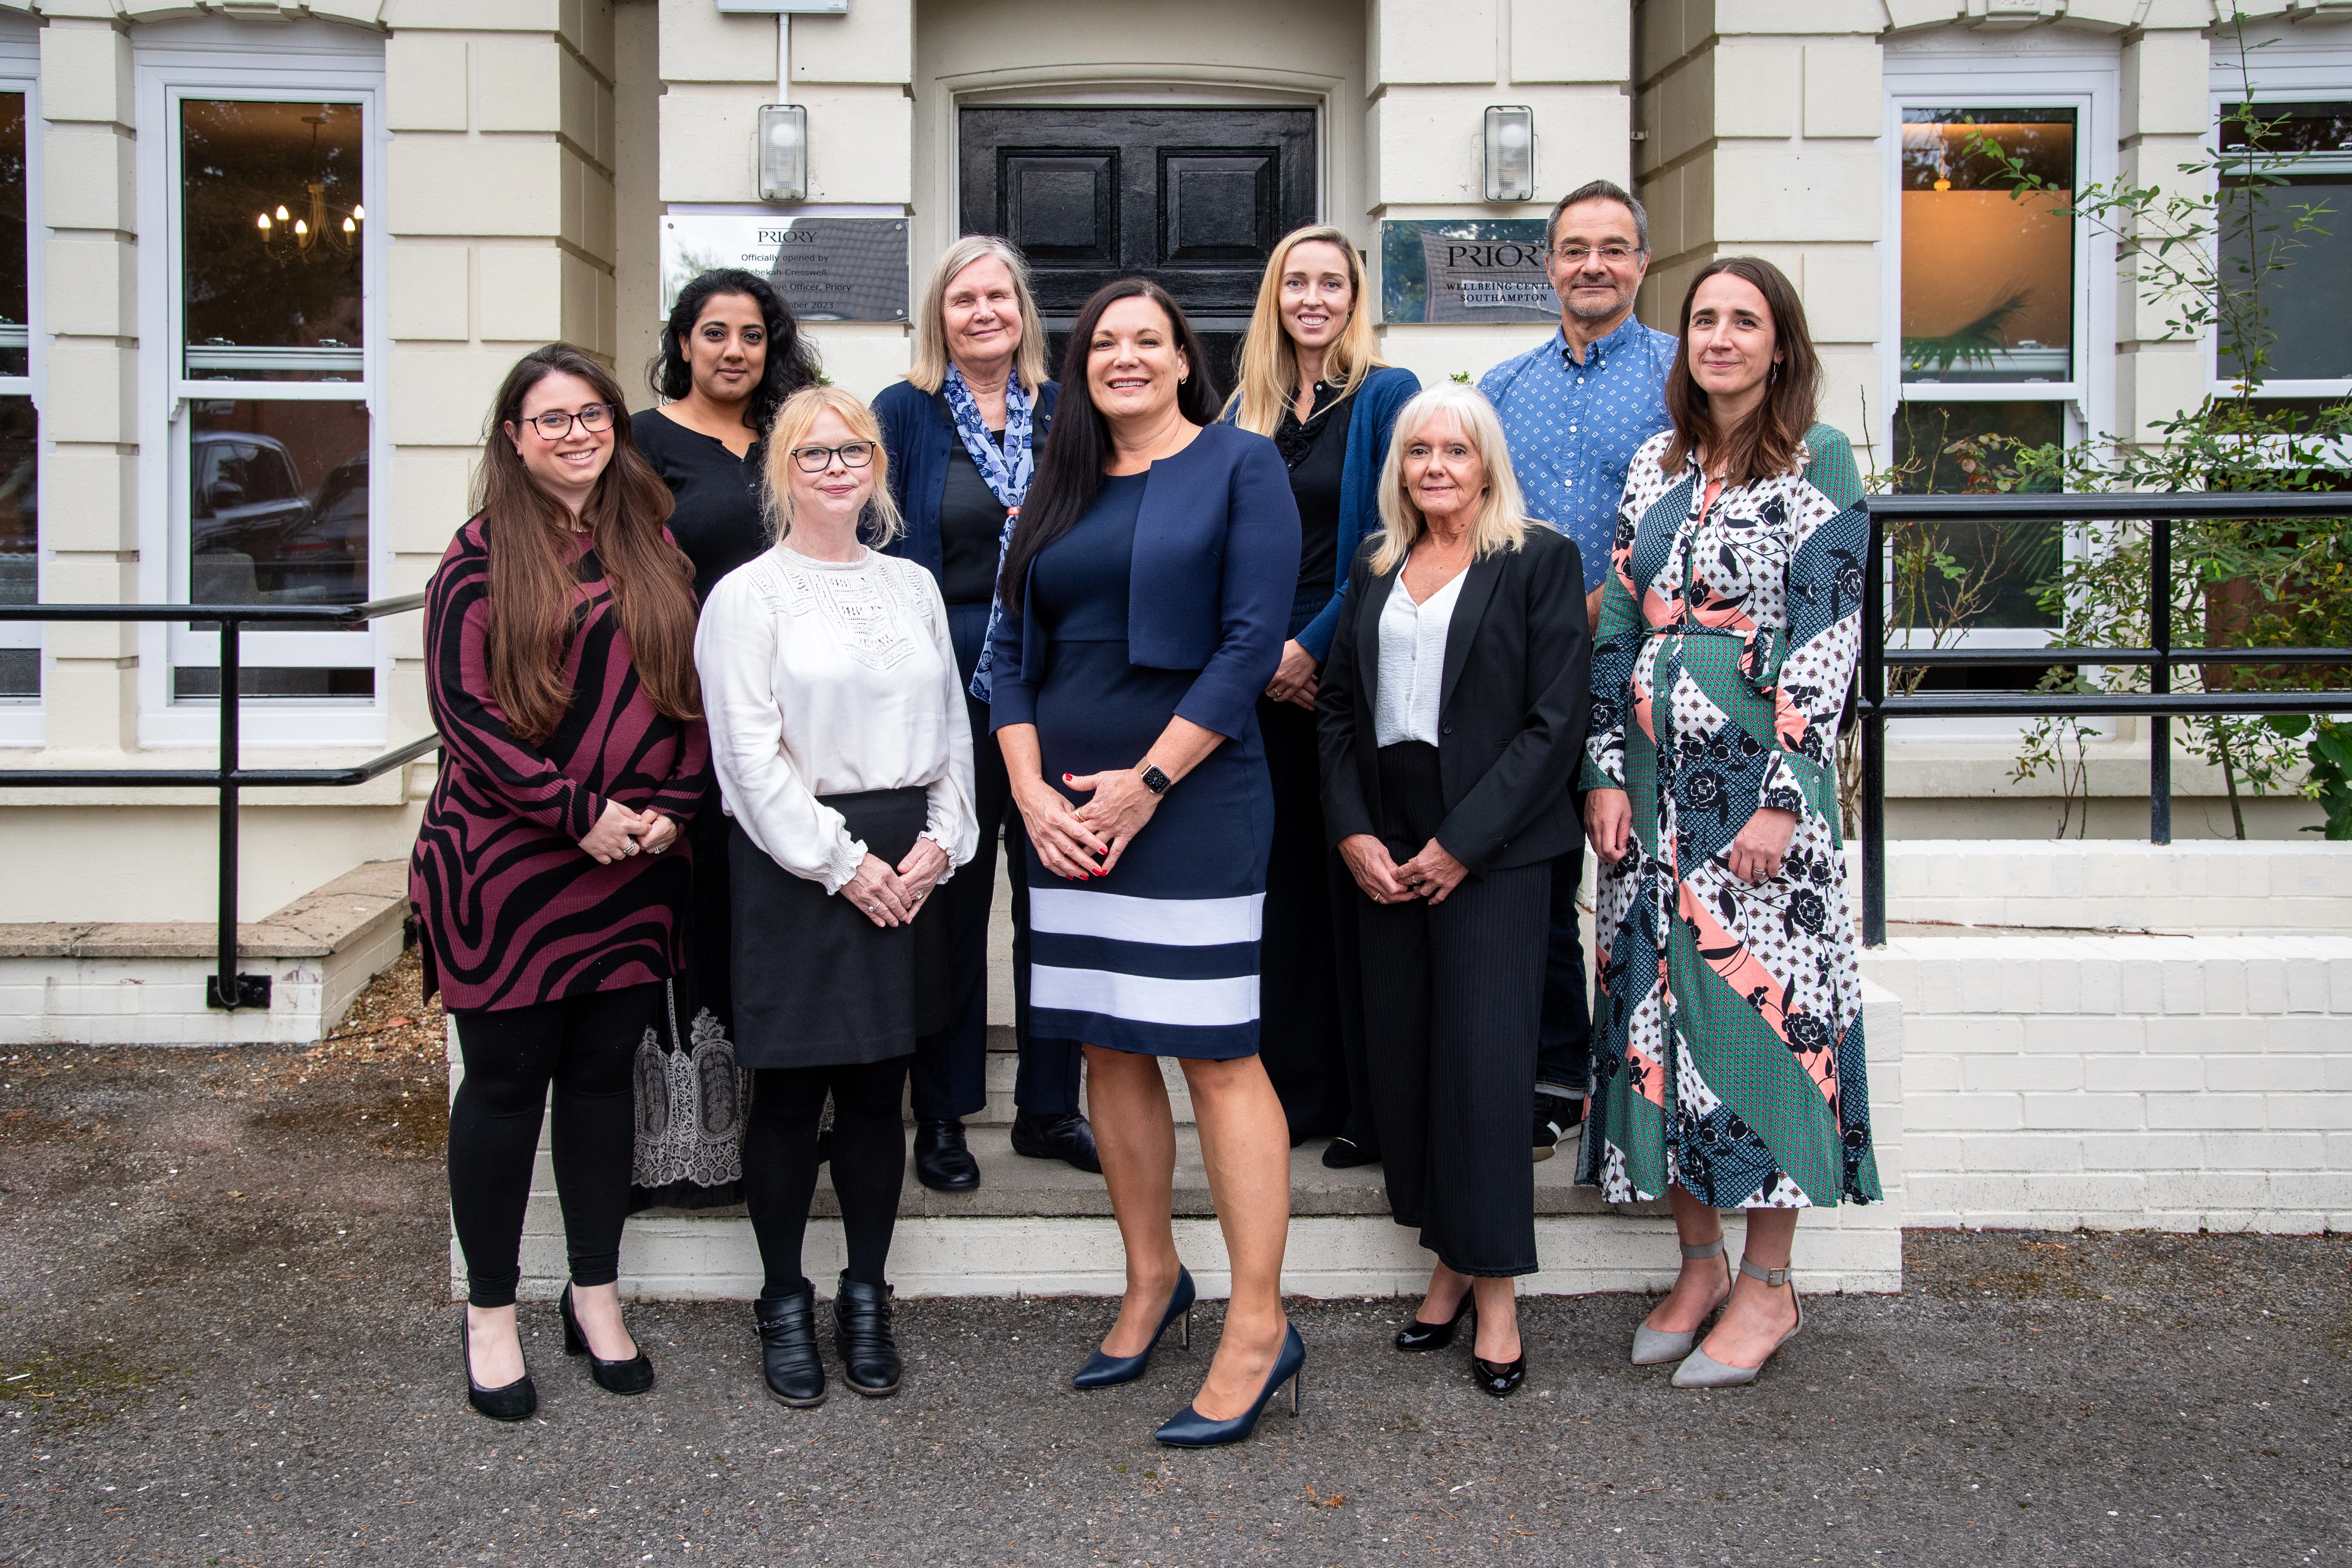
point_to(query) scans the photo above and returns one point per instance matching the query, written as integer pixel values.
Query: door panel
(1192, 198)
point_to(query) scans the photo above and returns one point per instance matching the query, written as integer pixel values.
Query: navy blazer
(1215, 566)
(1382, 396)
(921, 442)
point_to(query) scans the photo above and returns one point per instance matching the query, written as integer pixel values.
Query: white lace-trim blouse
(1412, 662)
(826, 678)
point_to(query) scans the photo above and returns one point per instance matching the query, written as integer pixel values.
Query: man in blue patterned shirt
(1575, 410)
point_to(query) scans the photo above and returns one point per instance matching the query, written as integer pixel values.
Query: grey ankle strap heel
(1701, 1370)
(1655, 1347)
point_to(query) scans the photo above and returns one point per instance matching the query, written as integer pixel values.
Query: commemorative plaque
(830, 268)
(1465, 269)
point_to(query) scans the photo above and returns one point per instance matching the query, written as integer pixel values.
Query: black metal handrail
(2158, 704)
(226, 988)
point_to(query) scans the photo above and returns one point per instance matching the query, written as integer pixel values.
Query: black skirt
(816, 983)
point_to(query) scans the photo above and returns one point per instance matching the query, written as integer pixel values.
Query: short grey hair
(1604, 190)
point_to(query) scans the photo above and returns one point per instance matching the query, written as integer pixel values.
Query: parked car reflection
(257, 537)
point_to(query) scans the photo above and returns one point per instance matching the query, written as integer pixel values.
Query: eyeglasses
(1578, 255)
(817, 459)
(554, 425)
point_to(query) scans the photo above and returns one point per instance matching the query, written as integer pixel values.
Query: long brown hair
(534, 591)
(1769, 441)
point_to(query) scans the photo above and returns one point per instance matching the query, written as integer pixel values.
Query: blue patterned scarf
(1004, 470)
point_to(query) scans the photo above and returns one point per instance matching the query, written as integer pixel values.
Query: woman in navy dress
(1146, 592)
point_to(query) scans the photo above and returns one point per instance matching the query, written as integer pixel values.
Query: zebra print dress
(511, 910)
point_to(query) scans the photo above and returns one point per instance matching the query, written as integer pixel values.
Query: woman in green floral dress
(1729, 1060)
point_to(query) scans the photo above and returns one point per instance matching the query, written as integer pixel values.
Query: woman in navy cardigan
(1146, 592)
(1312, 380)
(962, 431)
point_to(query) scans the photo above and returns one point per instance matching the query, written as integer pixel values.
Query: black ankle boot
(787, 1348)
(1056, 1135)
(861, 1335)
(942, 1162)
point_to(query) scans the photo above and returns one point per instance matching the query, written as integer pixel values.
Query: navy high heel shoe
(1104, 1371)
(1190, 1429)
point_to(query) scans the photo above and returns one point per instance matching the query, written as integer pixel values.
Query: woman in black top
(1311, 379)
(977, 398)
(730, 353)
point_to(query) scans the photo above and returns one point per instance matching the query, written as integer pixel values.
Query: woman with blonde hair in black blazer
(1453, 714)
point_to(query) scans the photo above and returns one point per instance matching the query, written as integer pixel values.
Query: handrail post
(228, 989)
(2159, 681)
(1873, 742)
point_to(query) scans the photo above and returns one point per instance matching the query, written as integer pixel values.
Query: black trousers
(1564, 1049)
(950, 1067)
(1452, 999)
(869, 1162)
(585, 1047)
(1300, 1026)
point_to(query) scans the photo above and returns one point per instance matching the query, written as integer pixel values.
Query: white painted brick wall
(2176, 1083)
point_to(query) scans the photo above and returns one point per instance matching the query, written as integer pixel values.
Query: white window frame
(2088, 400)
(2283, 71)
(25, 723)
(165, 78)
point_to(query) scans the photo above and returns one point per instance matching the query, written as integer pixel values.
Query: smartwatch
(1154, 780)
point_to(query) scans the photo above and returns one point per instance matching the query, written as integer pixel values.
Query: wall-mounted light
(1510, 152)
(783, 153)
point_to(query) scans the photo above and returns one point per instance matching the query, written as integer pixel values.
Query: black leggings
(585, 1047)
(870, 1161)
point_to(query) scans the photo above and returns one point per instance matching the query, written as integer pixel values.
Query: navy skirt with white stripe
(1161, 957)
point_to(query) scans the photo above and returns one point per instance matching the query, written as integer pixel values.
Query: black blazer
(1511, 714)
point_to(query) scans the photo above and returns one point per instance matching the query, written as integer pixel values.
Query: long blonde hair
(882, 522)
(930, 371)
(1501, 523)
(1269, 368)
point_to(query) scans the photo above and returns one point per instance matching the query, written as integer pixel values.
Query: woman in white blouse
(844, 754)
(1451, 717)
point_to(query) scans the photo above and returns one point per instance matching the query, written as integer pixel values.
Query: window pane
(20, 532)
(1988, 276)
(14, 334)
(2295, 286)
(201, 683)
(1998, 567)
(277, 502)
(271, 221)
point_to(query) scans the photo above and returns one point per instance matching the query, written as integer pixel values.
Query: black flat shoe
(942, 1162)
(1060, 1135)
(634, 1375)
(516, 1401)
(1500, 1379)
(1420, 1336)
(787, 1348)
(861, 1337)
(1345, 1154)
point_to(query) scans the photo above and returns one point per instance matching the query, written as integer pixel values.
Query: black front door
(1191, 198)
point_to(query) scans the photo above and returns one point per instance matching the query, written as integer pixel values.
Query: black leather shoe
(632, 1376)
(1345, 1154)
(1557, 1118)
(861, 1337)
(516, 1401)
(1420, 1336)
(941, 1162)
(1501, 1379)
(787, 1348)
(1057, 1135)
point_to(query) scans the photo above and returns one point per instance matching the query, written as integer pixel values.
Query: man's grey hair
(1604, 190)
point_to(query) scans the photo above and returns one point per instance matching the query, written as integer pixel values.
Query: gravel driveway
(226, 1338)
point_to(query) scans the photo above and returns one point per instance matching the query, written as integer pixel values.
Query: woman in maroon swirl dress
(550, 869)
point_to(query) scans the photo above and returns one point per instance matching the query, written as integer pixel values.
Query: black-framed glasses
(555, 425)
(1576, 255)
(817, 459)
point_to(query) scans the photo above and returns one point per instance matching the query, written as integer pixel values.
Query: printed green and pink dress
(1728, 1054)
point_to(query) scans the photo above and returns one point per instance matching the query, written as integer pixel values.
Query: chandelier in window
(315, 233)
